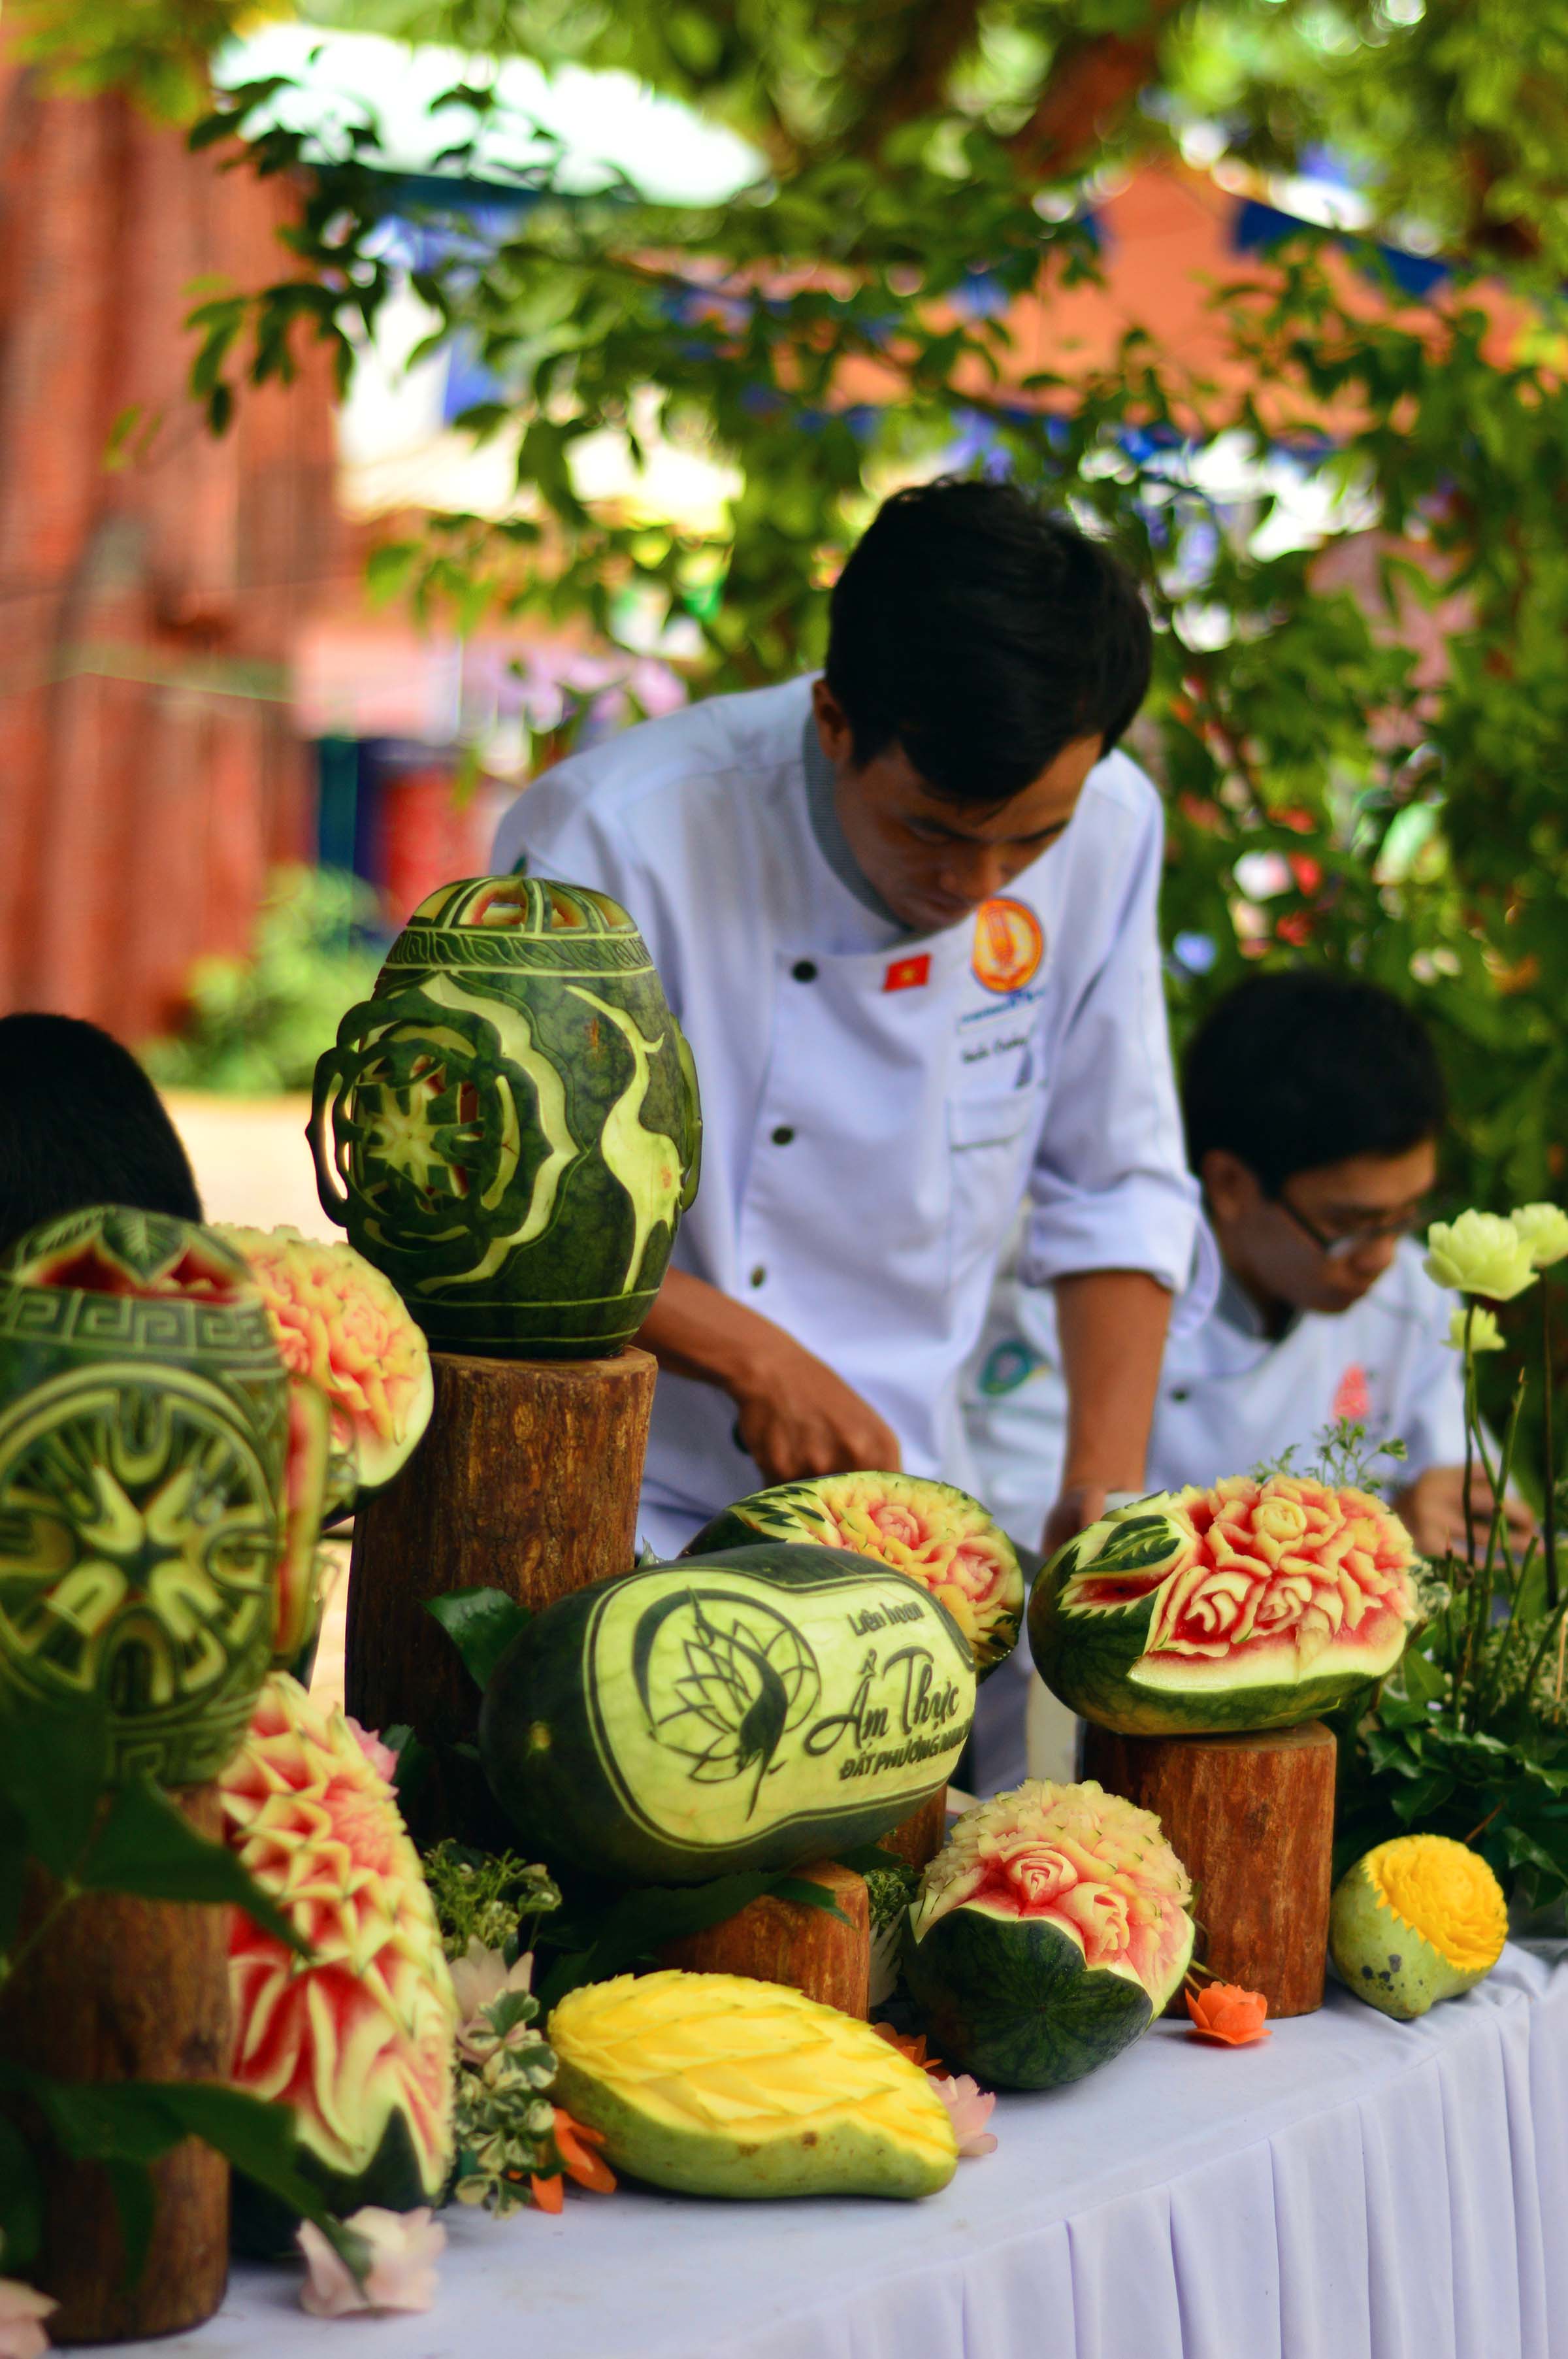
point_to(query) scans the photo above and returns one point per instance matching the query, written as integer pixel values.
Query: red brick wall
(148, 773)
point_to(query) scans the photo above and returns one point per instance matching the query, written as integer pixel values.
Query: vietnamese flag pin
(908, 973)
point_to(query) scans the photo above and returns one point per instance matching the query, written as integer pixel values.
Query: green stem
(1548, 1631)
(1552, 1589)
(1469, 1437)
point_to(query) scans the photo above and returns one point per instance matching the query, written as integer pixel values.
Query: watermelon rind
(837, 1511)
(264, 2228)
(755, 1710)
(1011, 2000)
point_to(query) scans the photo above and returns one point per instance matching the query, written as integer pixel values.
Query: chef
(905, 913)
(1315, 1103)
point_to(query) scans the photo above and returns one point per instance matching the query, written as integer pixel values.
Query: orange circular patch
(1009, 944)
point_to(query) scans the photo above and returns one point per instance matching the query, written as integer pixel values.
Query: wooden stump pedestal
(921, 1836)
(776, 1940)
(1251, 1819)
(526, 1480)
(130, 1990)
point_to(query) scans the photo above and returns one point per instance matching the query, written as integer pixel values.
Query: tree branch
(1094, 81)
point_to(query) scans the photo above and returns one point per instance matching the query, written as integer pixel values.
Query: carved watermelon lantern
(514, 1119)
(1253, 1605)
(144, 1509)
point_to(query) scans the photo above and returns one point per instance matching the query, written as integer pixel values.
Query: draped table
(1350, 2189)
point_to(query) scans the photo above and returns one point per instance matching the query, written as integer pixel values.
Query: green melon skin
(593, 1734)
(849, 2159)
(1011, 2000)
(797, 1512)
(1089, 1660)
(1383, 1960)
(263, 2227)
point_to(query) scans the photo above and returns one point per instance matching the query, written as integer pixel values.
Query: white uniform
(873, 1113)
(1228, 1401)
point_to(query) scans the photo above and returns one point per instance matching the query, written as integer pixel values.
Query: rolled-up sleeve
(1109, 1185)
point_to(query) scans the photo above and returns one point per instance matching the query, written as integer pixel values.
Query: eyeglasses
(1356, 1240)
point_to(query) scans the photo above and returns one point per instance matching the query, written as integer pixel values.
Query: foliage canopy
(924, 168)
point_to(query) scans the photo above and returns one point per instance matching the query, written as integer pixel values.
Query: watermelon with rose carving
(357, 2041)
(1256, 1604)
(1048, 1932)
(509, 1128)
(931, 1531)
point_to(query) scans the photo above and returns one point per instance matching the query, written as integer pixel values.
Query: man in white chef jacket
(1313, 1106)
(905, 914)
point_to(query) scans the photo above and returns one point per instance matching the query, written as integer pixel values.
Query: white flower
(23, 2310)
(1545, 1230)
(402, 2273)
(1480, 1253)
(1484, 1333)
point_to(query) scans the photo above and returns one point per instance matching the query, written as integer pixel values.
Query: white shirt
(866, 1146)
(1228, 1397)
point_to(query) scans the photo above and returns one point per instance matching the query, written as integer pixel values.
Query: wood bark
(776, 1940)
(130, 1990)
(921, 1836)
(1251, 1819)
(526, 1480)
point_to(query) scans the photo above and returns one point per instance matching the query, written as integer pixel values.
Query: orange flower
(910, 2044)
(548, 2193)
(575, 2143)
(1228, 2013)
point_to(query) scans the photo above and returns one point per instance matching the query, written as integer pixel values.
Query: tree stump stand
(526, 1480)
(921, 1836)
(777, 1941)
(129, 1990)
(1251, 1819)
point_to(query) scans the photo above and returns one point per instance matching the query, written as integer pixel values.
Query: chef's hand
(1080, 1504)
(1432, 1509)
(797, 1417)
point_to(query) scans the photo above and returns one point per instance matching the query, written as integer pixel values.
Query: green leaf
(146, 1846)
(864, 1859)
(481, 1624)
(800, 1888)
(13, 1871)
(54, 1768)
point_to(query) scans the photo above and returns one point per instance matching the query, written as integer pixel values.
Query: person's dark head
(982, 655)
(80, 1123)
(1313, 1104)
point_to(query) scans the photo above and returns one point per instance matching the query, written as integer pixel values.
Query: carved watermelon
(1047, 1934)
(514, 1121)
(298, 1610)
(343, 1327)
(1251, 1605)
(937, 1535)
(358, 2043)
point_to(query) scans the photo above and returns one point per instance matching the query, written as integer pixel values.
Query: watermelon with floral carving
(933, 1532)
(1255, 1604)
(1048, 1932)
(343, 1327)
(358, 2042)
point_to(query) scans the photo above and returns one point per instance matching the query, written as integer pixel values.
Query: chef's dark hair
(1294, 1070)
(983, 634)
(80, 1123)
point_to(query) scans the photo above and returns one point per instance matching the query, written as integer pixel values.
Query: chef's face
(1327, 1236)
(935, 861)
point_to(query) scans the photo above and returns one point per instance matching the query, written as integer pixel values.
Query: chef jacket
(1230, 1398)
(874, 1113)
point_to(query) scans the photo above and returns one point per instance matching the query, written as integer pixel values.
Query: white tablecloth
(1352, 2189)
